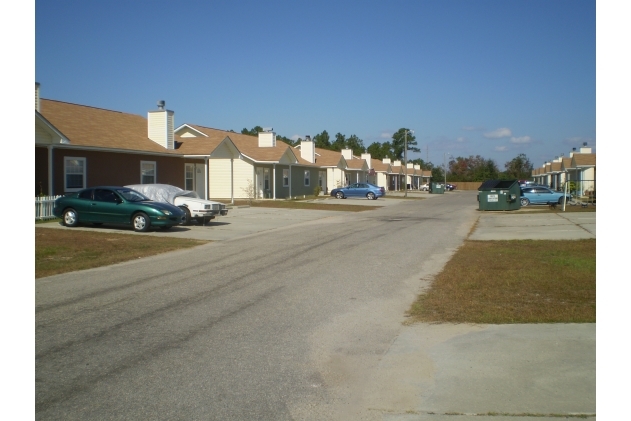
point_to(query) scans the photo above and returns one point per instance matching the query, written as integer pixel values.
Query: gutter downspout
(274, 180)
(232, 180)
(50, 170)
(206, 178)
(289, 181)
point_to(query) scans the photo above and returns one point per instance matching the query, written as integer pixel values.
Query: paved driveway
(267, 328)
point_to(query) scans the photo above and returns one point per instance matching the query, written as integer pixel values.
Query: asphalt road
(285, 324)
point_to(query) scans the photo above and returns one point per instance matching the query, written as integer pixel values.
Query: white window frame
(285, 177)
(155, 171)
(307, 178)
(73, 189)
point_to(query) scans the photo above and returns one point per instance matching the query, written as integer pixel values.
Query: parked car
(450, 187)
(116, 205)
(541, 196)
(188, 201)
(424, 187)
(367, 190)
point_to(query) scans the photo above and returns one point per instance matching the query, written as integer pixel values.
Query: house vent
(37, 96)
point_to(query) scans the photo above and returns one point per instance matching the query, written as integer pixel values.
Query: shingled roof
(95, 127)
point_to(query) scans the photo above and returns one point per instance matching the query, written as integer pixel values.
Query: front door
(260, 183)
(199, 180)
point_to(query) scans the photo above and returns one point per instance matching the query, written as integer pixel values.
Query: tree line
(472, 168)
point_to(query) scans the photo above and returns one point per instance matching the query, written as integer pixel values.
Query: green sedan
(116, 205)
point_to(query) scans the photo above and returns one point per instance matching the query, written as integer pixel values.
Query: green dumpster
(495, 195)
(436, 188)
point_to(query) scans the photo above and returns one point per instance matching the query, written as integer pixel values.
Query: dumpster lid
(497, 184)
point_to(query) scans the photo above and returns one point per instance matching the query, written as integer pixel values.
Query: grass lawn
(60, 251)
(320, 204)
(521, 281)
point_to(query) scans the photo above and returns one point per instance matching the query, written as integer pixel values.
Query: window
(147, 172)
(189, 173)
(285, 178)
(266, 178)
(86, 194)
(307, 178)
(320, 177)
(102, 195)
(74, 174)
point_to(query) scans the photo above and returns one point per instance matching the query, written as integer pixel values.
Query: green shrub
(317, 190)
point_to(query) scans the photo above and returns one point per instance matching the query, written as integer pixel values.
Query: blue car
(367, 190)
(541, 196)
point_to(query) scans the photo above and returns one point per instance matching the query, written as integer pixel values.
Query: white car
(189, 201)
(424, 187)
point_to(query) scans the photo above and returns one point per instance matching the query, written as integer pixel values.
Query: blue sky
(485, 77)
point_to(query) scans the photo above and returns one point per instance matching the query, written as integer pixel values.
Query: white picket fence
(44, 207)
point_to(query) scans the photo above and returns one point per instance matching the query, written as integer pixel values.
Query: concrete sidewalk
(499, 372)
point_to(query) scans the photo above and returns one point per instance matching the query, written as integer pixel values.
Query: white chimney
(267, 139)
(585, 148)
(307, 149)
(37, 107)
(386, 160)
(396, 163)
(161, 125)
(347, 154)
(409, 165)
(417, 167)
(368, 159)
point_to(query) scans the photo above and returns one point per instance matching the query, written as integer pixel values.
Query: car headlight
(166, 212)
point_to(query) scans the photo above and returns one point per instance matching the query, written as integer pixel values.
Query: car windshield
(132, 195)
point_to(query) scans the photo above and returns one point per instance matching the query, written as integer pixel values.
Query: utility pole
(405, 158)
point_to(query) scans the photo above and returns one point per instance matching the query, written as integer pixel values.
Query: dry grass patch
(60, 251)
(521, 281)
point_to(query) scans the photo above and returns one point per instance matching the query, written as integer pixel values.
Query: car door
(542, 195)
(83, 205)
(362, 189)
(352, 190)
(106, 207)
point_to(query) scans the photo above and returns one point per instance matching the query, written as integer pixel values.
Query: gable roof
(379, 166)
(248, 145)
(95, 127)
(584, 160)
(327, 158)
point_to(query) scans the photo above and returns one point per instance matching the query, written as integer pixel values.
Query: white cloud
(522, 139)
(473, 128)
(386, 135)
(296, 137)
(499, 133)
(461, 139)
(501, 148)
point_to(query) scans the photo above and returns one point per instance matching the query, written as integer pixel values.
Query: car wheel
(339, 195)
(187, 215)
(561, 200)
(141, 222)
(370, 196)
(70, 218)
(524, 201)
